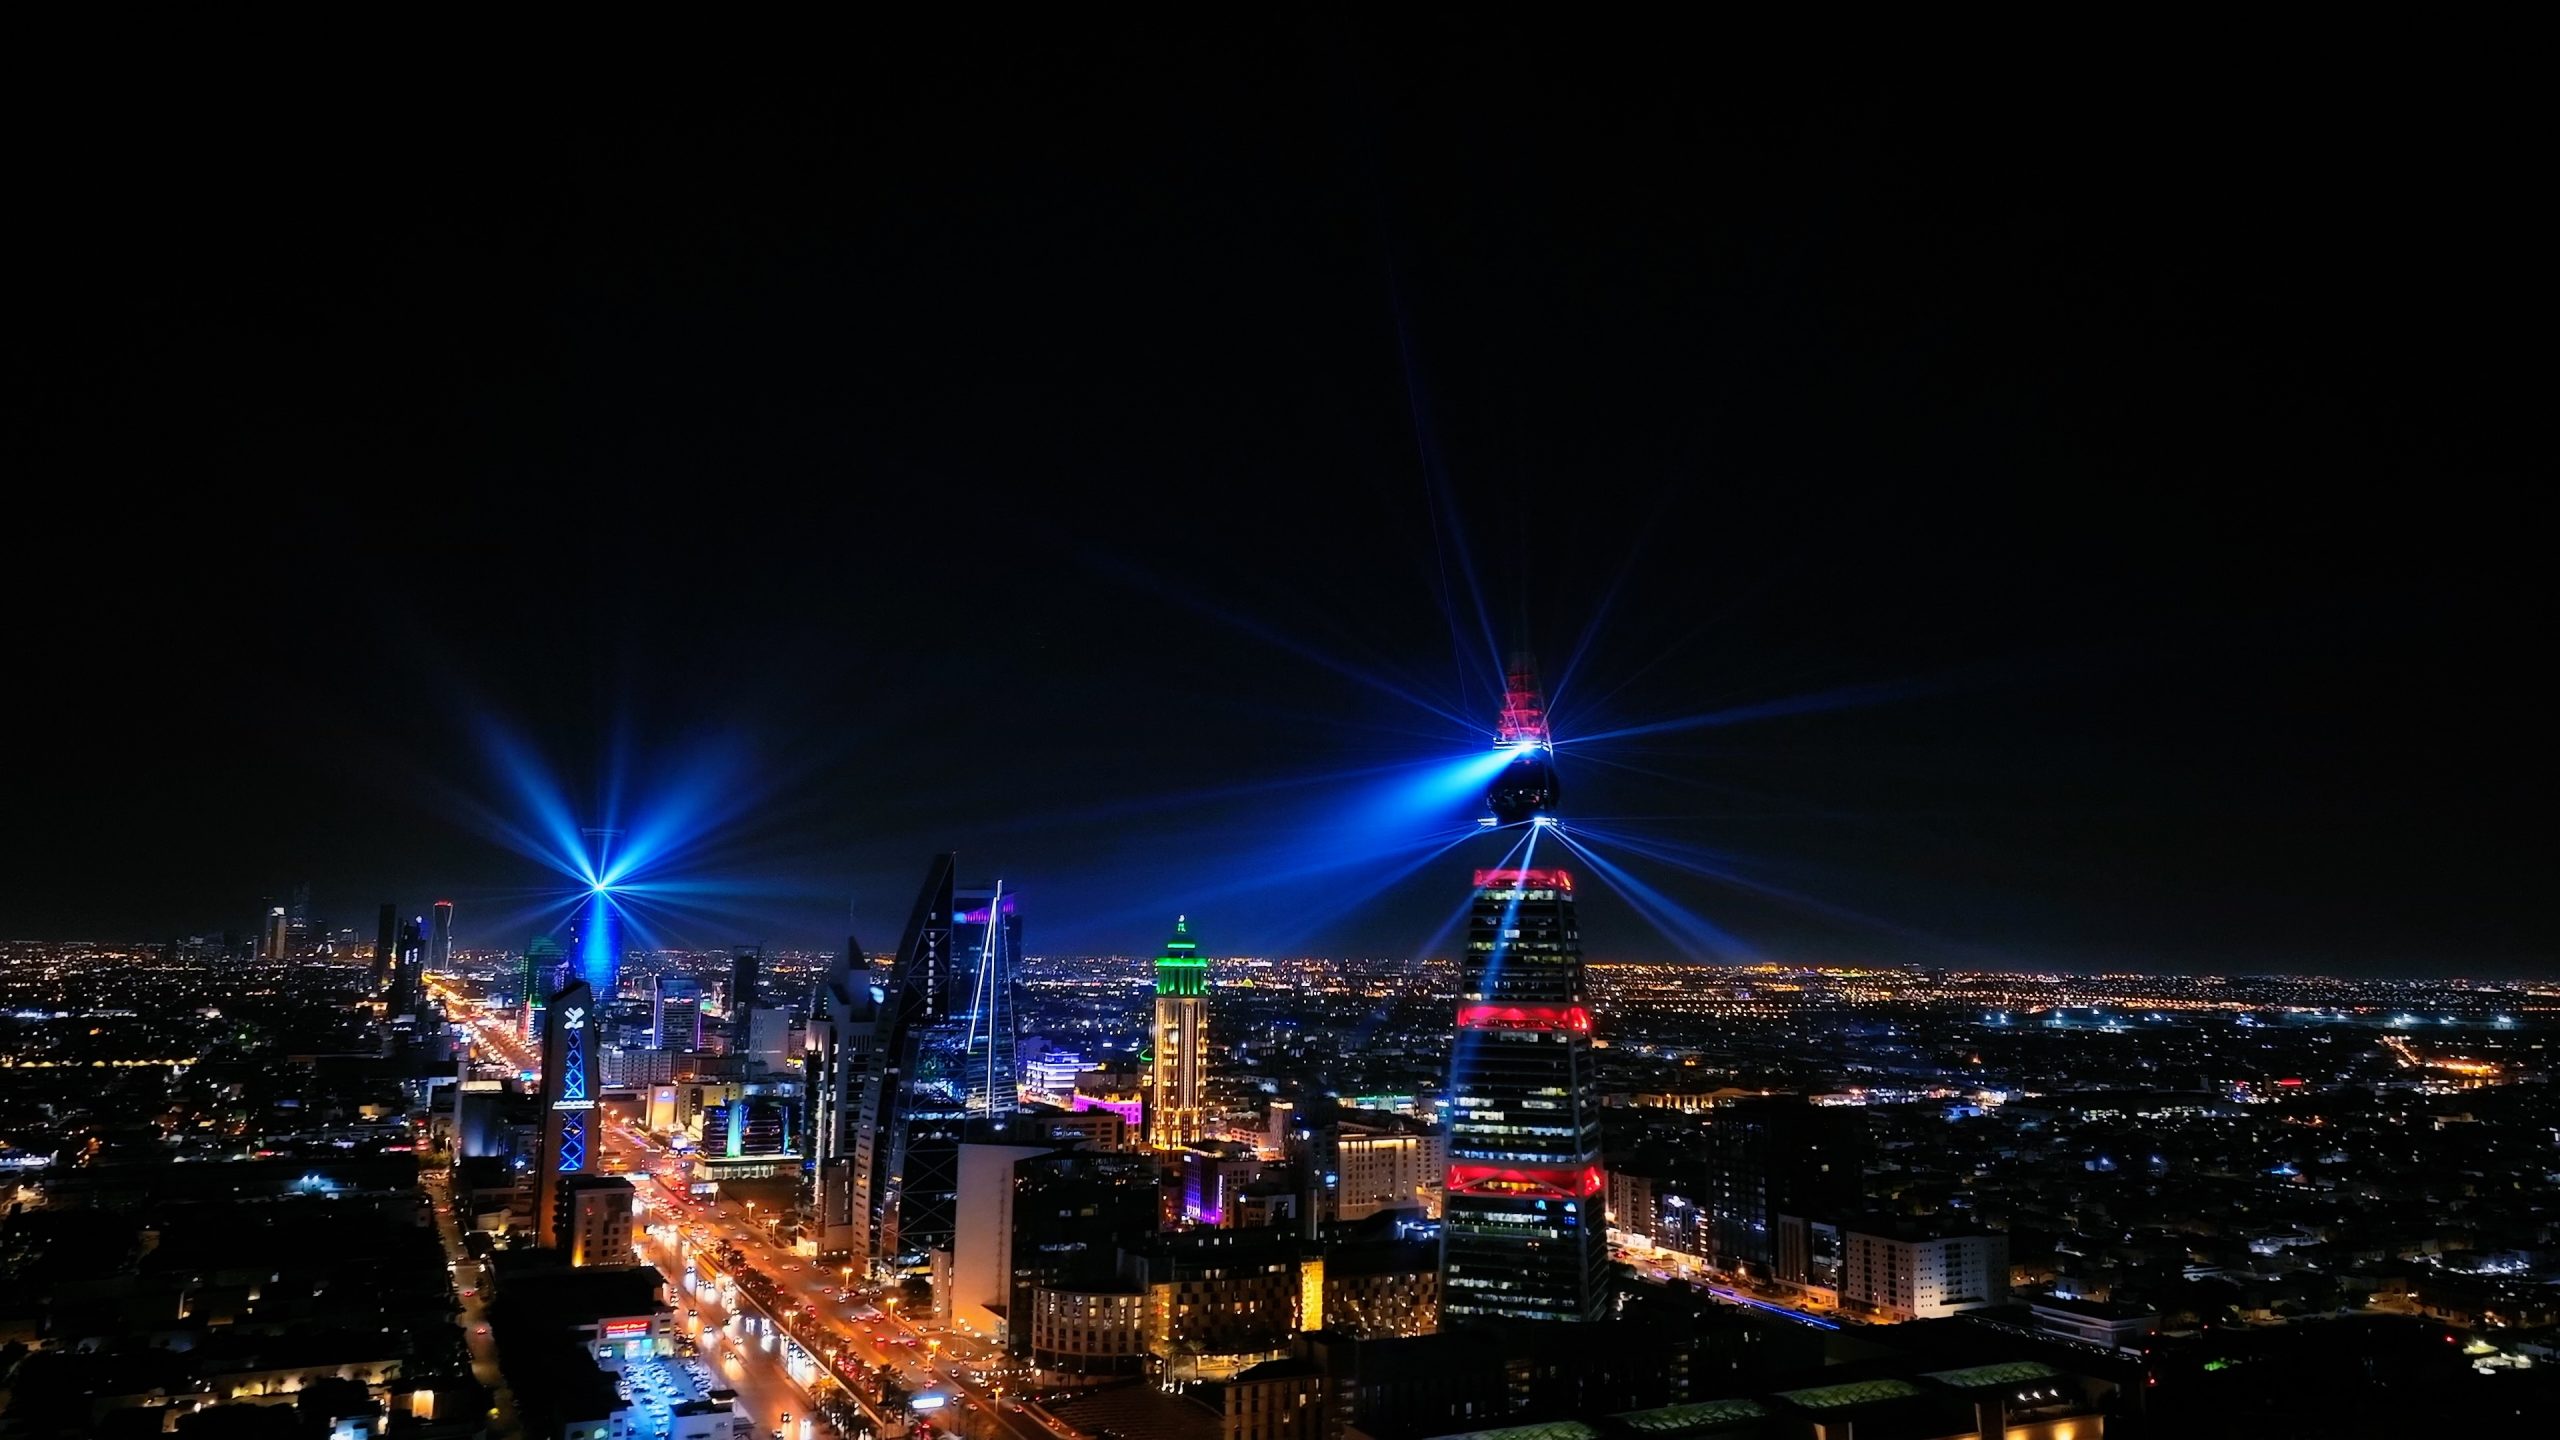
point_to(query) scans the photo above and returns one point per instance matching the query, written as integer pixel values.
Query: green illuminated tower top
(1182, 969)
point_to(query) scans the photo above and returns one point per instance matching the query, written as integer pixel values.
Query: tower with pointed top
(906, 1168)
(1177, 1114)
(1523, 1234)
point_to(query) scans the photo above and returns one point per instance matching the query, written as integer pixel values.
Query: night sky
(2101, 506)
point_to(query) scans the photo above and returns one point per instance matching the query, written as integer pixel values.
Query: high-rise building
(595, 939)
(1177, 1114)
(440, 939)
(1523, 1229)
(675, 1013)
(1376, 1170)
(839, 1068)
(275, 941)
(408, 971)
(1774, 1155)
(986, 942)
(937, 1064)
(977, 1297)
(298, 928)
(771, 1040)
(1068, 1215)
(544, 962)
(740, 1002)
(1900, 1271)
(595, 1220)
(386, 935)
(915, 1107)
(570, 1145)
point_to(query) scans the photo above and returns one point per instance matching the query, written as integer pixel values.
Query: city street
(928, 1359)
(503, 1424)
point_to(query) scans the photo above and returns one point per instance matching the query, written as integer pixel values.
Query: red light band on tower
(1561, 1181)
(1525, 1017)
(1531, 879)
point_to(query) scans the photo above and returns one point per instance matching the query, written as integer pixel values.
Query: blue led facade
(568, 1101)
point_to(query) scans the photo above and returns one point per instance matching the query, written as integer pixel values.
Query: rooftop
(1672, 1418)
(2010, 1372)
(1550, 1430)
(2093, 1309)
(1856, 1392)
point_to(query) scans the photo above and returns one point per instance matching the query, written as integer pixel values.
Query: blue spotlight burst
(1695, 935)
(645, 868)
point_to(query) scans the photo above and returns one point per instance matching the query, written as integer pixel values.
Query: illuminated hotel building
(571, 1144)
(1176, 1114)
(1523, 1234)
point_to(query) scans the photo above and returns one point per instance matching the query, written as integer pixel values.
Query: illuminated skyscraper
(1522, 1230)
(596, 943)
(544, 961)
(842, 1068)
(1176, 1113)
(675, 1013)
(570, 1145)
(741, 1000)
(986, 943)
(915, 1106)
(440, 939)
(408, 970)
(274, 941)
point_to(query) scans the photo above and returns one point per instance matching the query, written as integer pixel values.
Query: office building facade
(675, 1013)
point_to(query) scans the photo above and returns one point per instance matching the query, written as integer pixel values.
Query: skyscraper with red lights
(1523, 1230)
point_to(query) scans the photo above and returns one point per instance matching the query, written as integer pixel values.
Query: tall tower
(743, 960)
(675, 1013)
(408, 984)
(543, 961)
(1176, 1114)
(570, 1146)
(986, 938)
(276, 940)
(386, 934)
(440, 939)
(842, 1069)
(596, 941)
(907, 1149)
(1522, 1232)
